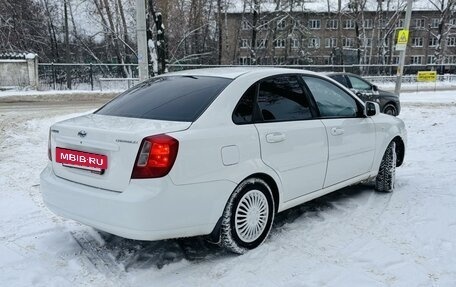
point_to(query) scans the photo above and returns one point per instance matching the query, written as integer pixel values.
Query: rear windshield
(173, 98)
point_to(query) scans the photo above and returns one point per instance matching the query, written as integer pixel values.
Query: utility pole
(67, 46)
(142, 40)
(400, 69)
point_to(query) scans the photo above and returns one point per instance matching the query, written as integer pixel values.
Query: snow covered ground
(354, 237)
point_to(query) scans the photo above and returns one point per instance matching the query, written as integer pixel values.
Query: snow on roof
(237, 6)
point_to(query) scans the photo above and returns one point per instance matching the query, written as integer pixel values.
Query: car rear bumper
(160, 211)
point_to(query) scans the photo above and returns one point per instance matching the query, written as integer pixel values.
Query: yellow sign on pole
(402, 37)
(426, 76)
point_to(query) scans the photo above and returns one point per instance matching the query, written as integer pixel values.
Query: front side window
(173, 98)
(282, 98)
(332, 101)
(359, 84)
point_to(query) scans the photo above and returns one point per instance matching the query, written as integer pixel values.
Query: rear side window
(173, 98)
(243, 113)
(282, 99)
(340, 78)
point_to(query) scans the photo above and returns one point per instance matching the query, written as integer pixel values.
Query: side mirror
(375, 88)
(371, 109)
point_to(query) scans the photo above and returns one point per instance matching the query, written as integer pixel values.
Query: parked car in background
(389, 102)
(216, 152)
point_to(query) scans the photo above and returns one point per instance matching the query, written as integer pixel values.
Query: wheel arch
(400, 150)
(272, 184)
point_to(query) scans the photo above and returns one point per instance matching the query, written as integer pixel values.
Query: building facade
(318, 38)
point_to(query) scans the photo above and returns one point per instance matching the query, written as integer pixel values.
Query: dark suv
(389, 102)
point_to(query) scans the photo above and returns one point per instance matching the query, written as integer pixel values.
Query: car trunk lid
(110, 138)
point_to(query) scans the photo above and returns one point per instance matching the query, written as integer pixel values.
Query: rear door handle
(337, 131)
(275, 137)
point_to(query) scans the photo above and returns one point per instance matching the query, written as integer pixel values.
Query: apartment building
(322, 38)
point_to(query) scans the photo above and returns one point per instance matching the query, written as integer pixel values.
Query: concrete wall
(19, 73)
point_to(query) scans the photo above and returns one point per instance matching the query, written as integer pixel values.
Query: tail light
(156, 157)
(49, 146)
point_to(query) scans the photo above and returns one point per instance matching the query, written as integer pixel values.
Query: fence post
(54, 77)
(91, 76)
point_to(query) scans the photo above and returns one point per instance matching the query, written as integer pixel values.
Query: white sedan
(217, 152)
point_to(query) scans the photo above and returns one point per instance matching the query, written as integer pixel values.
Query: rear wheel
(248, 216)
(390, 109)
(386, 176)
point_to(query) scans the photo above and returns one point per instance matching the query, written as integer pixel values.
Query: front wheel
(248, 216)
(390, 109)
(386, 176)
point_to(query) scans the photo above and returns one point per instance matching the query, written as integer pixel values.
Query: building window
(431, 60)
(281, 24)
(245, 43)
(347, 42)
(395, 60)
(450, 59)
(294, 43)
(245, 25)
(244, 60)
(435, 22)
(433, 42)
(367, 24)
(314, 43)
(400, 23)
(264, 25)
(294, 61)
(451, 42)
(452, 22)
(419, 23)
(417, 42)
(278, 60)
(330, 42)
(314, 24)
(332, 24)
(349, 24)
(297, 23)
(263, 60)
(416, 60)
(327, 60)
(367, 42)
(261, 44)
(382, 23)
(279, 43)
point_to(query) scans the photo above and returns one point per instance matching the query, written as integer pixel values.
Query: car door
(292, 142)
(351, 136)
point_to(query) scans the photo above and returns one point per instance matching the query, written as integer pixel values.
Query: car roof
(338, 73)
(234, 72)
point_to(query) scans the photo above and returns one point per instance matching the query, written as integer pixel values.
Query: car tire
(386, 176)
(390, 109)
(248, 216)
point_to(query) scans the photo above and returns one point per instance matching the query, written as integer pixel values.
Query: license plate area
(96, 163)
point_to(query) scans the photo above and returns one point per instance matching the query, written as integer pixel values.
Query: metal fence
(83, 76)
(123, 76)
